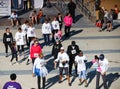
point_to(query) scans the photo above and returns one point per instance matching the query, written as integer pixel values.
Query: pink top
(68, 20)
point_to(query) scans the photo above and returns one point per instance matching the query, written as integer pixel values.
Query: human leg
(104, 81)
(39, 81)
(97, 79)
(67, 75)
(44, 79)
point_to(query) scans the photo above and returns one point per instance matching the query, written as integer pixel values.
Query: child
(14, 52)
(58, 35)
(99, 25)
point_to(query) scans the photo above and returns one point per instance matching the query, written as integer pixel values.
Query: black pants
(20, 46)
(71, 62)
(25, 5)
(6, 47)
(98, 79)
(53, 33)
(39, 82)
(14, 55)
(67, 31)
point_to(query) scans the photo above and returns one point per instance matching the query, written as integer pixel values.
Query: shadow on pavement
(78, 17)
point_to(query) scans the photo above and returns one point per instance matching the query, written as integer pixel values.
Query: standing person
(7, 40)
(60, 20)
(63, 60)
(71, 8)
(33, 17)
(118, 15)
(101, 70)
(72, 51)
(55, 28)
(80, 60)
(46, 31)
(14, 53)
(30, 33)
(68, 23)
(35, 50)
(40, 70)
(25, 5)
(20, 40)
(12, 84)
(56, 49)
(24, 28)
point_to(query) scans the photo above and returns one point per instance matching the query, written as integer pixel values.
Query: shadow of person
(90, 76)
(111, 78)
(89, 65)
(51, 81)
(77, 17)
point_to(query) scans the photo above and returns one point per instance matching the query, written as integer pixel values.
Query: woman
(60, 20)
(35, 50)
(40, 70)
(68, 23)
(55, 28)
(7, 40)
(20, 40)
(40, 16)
(46, 31)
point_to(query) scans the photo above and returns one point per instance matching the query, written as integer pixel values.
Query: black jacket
(7, 38)
(72, 51)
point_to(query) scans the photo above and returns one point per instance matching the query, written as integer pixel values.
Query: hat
(101, 57)
(61, 48)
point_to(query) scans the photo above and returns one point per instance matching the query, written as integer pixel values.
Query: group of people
(105, 18)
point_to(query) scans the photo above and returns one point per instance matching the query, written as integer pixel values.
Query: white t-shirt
(20, 38)
(80, 62)
(46, 28)
(55, 25)
(62, 57)
(31, 32)
(24, 28)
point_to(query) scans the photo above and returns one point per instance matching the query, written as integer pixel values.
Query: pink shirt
(68, 20)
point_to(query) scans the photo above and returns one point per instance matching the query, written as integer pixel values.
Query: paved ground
(89, 40)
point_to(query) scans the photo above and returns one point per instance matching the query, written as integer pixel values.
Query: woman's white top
(46, 28)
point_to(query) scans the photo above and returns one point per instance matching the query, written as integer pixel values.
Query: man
(72, 51)
(81, 60)
(12, 84)
(71, 8)
(63, 60)
(101, 70)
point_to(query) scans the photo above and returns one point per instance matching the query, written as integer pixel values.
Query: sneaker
(80, 84)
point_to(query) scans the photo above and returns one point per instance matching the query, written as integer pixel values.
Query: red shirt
(35, 51)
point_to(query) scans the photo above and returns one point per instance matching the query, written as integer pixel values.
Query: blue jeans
(47, 39)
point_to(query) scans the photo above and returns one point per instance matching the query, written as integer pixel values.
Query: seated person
(40, 16)
(14, 19)
(33, 17)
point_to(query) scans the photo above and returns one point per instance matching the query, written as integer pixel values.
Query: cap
(61, 48)
(101, 57)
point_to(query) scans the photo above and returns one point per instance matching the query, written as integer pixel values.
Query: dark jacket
(56, 49)
(7, 38)
(72, 51)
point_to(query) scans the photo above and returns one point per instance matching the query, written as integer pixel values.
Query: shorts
(82, 73)
(65, 69)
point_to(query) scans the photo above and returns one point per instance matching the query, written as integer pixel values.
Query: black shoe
(69, 84)
(60, 82)
(86, 85)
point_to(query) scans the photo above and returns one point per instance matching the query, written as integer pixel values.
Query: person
(40, 70)
(40, 16)
(63, 60)
(7, 40)
(20, 41)
(118, 15)
(24, 28)
(55, 28)
(12, 84)
(14, 18)
(35, 50)
(81, 60)
(101, 70)
(95, 61)
(72, 51)
(14, 53)
(30, 33)
(33, 17)
(68, 23)
(60, 20)
(56, 49)
(46, 31)
(25, 5)
(58, 35)
(71, 8)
